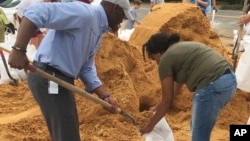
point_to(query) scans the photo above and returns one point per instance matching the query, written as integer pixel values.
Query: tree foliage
(241, 2)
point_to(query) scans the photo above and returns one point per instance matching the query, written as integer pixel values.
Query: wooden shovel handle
(68, 85)
(238, 41)
(78, 90)
(73, 88)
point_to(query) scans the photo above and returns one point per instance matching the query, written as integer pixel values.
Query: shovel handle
(15, 82)
(68, 85)
(73, 88)
(238, 41)
(78, 90)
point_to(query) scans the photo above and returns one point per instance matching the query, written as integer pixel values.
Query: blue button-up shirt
(73, 39)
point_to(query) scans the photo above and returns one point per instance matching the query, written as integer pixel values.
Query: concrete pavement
(226, 21)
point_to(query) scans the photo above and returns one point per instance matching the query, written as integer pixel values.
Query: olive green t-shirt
(192, 63)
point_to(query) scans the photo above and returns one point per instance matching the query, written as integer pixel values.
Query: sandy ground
(133, 83)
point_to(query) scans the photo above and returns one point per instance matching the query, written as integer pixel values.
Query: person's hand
(146, 129)
(199, 1)
(244, 19)
(215, 8)
(18, 59)
(113, 108)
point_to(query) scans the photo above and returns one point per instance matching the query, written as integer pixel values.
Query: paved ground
(225, 21)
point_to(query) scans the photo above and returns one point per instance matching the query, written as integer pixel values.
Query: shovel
(74, 88)
(14, 81)
(239, 38)
(212, 18)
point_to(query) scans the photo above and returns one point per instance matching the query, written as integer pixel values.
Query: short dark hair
(137, 2)
(159, 43)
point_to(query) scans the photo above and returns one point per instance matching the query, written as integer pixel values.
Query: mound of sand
(133, 83)
(183, 18)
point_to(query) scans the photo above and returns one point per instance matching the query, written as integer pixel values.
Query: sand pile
(183, 18)
(133, 83)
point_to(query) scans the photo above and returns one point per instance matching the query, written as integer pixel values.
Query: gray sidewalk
(225, 21)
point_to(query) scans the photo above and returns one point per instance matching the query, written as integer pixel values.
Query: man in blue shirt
(68, 52)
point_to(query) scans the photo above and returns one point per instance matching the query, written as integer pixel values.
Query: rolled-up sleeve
(89, 76)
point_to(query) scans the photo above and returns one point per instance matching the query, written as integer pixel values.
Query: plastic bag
(161, 132)
(19, 75)
(243, 67)
(124, 34)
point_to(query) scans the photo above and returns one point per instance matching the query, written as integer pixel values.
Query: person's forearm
(138, 22)
(25, 31)
(202, 3)
(161, 110)
(100, 92)
(214, 3)
(152, 5)
(177, 87)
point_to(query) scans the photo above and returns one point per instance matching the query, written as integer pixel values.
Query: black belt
(50, 69)
(227, 71)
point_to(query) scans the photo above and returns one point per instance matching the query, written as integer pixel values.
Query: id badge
(53, 87)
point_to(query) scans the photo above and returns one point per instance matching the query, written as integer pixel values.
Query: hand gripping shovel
(74, 88)
(239, 38)
(14, 81)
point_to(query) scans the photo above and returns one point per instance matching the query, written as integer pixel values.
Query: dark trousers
(59, 110)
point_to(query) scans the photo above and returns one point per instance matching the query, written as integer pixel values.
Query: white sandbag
(19, 75)
(243, 67)
(248, 122)
(161, 132)
(31, 51)
(124, 34)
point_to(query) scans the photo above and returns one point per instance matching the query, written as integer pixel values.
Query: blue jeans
(208, 103)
